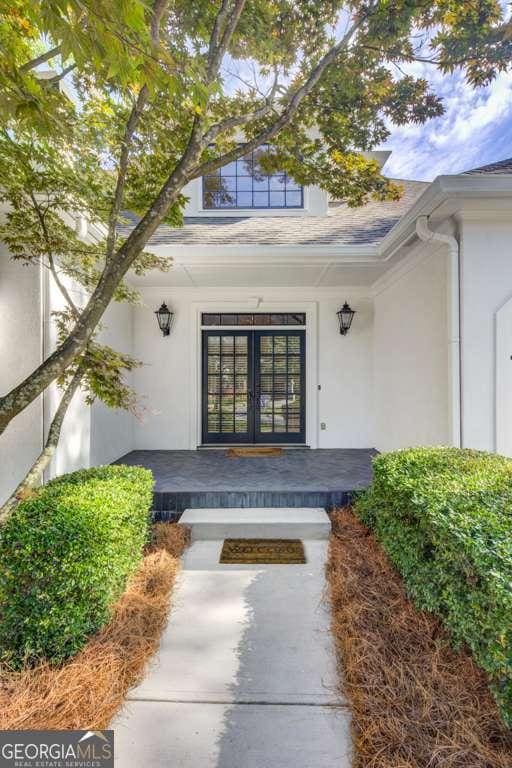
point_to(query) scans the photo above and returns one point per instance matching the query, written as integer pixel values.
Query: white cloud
(476, 129)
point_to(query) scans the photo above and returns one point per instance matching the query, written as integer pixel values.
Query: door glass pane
(266, 422)
(241, 364)
(213, 345)
(213, 363)
(241, 345)
(266, 364)
(266, 404)
(241, 404)
(228, 422)
(280, 364)
(279, 345)
(227, 403)
(240, 422)
(266, 345)
(293, 364)
(294, 345)
(213, 403)
(213, 422)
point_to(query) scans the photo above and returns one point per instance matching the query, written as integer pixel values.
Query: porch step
(257, 523)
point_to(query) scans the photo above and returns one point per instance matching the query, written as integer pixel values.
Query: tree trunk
(33, 477)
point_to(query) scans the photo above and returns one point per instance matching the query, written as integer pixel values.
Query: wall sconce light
(165, 318)
(345, 317)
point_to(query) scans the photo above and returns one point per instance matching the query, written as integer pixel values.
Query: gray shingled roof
(502, 167)
(366, 225)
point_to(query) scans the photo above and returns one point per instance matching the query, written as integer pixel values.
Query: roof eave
(271, 254)
(442, 189)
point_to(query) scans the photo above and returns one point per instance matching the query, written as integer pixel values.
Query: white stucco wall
(20, 352)
(486, 285)
(111, 428)
(411, 355)
(73, 449)
(168, 382)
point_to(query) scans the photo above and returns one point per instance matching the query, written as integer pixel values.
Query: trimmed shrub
(65, 557)
(444, 517)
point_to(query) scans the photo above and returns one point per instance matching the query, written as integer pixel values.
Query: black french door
(254, 386)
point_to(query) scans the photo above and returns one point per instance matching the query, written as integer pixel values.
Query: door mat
(253, 451)
(260, 551)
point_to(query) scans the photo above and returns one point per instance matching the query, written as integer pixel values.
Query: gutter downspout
(454, 324)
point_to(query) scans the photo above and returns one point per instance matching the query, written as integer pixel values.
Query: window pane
(213, 345)
(213, 364)
(211, 319)
(277, 199)
(229, 169)
(227, 423)
(240, 423)
(227, 344)
(229, 184)
(277, 181)
(213, 422)
(244, 199)
(245, 165)
(293, 199)
(261, 199)
(245, 183)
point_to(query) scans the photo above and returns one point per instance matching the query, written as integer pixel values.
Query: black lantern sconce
(345, 317)
(165, 318)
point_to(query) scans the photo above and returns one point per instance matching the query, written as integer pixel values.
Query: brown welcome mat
(260, 551)
(256, 451)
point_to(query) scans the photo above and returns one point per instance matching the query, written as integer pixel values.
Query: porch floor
(298, 478)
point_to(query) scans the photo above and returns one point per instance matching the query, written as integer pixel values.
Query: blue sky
(476, 129)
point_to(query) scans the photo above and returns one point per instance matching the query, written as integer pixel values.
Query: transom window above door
(253, 318)
(244, 184)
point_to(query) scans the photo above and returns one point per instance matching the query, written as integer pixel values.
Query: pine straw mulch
(416, 703)
(87, 691)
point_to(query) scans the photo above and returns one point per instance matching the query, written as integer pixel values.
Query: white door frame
(310, 308)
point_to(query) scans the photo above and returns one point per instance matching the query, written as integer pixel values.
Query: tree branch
(33, 478)
(216, 38)
(135, 114)
(40, 59)
(60, 75)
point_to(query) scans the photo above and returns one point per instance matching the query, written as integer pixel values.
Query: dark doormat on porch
(254, 451)
(261, 551)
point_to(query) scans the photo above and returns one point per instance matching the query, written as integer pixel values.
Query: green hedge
(444, 517)
(65, 557)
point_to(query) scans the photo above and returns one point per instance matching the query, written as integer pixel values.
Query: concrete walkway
(245, 676)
